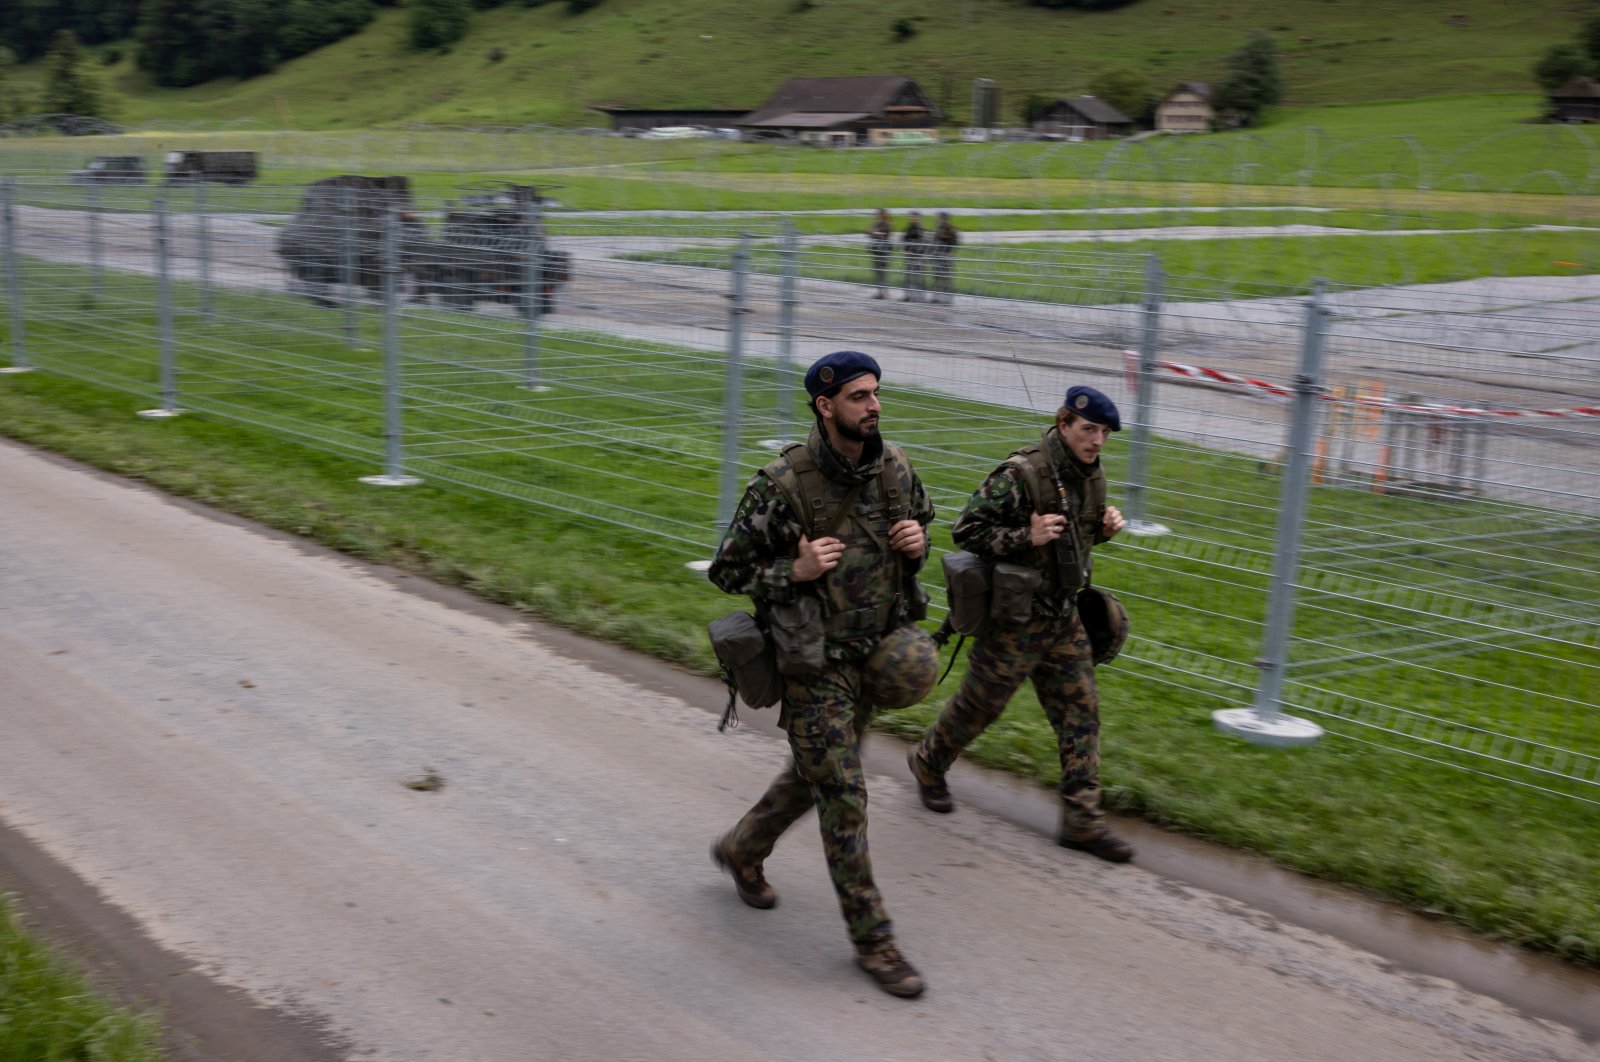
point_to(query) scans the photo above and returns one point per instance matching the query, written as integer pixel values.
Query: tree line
(1579, 57)
(186, 42)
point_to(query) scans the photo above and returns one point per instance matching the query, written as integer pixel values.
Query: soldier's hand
(909, 538)
(1046, 528)
(1113, 522)
(815, 558)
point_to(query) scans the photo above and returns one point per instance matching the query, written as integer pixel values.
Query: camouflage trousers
(826, 722)
(1055, 653)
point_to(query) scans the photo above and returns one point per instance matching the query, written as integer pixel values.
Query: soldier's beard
(862, 430)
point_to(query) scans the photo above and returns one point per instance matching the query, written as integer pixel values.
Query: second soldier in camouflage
(1045, 508)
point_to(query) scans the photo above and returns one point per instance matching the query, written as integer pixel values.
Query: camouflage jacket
(914, 238)
(996, 524)
(879, 238)
(758, 550)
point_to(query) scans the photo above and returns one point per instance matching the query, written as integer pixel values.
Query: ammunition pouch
(799, 634)
(988, 593)
(966, 581)
(914, 601)
(749, 664)
(1011, 601)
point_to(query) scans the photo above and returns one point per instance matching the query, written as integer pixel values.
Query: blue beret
(1090, 404)
(832, 371)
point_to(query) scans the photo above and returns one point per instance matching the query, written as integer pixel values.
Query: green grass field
(1507, 860)
(1074, 271)
(1469, 156)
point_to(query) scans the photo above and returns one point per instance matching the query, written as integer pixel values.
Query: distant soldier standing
(880, 247)
(827, 541)
(1044, 507)
(913, 244)
(943, 251)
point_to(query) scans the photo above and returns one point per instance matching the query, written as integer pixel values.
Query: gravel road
(213, 727)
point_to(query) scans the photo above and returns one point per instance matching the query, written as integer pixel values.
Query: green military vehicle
(221, 167)
(479, 254)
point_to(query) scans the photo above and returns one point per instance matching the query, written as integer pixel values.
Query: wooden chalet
(1082, 118)
(1186, 109)
(844, 111)
(1576, 101)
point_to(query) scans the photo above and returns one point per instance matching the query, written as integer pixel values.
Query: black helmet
(1104, 620)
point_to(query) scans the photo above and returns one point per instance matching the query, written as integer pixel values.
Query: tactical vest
(861, 596)
(1066, 563)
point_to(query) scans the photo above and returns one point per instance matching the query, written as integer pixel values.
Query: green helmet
(902, 670)
(1104, 620)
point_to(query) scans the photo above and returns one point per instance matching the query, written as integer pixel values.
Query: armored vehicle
(223, 167)
(481, 253)
(111, 169)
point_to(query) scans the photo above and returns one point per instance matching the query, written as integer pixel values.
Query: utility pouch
(749, 664)
(915, 602)
(967, 580)
(798, 636)
(1011, 603)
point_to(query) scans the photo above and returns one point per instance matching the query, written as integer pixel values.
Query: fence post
(348, 220)
(91, 194)
(786, 307)
(19, 342)
(1144, 400)
(394, 473)
(733, 385)
(533, 267)
(203, 251)
(1265, 722)
(169, 369)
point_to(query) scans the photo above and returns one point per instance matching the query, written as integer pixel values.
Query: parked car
(676, 132)
(111, 169)
(907, 138)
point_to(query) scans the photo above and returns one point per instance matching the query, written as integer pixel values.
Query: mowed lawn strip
(1074, 271)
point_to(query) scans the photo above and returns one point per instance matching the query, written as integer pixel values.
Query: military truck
(480, 253)
(222, 167)
(336, 237)
(111, 169)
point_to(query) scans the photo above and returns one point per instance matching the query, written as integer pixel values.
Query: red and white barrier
(1131, 363)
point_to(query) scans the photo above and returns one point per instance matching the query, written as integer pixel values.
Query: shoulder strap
(1034, 465)
(804, 493)
(896, 469)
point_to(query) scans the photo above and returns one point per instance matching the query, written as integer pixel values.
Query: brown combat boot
(884, 964)
(1098, 842)
(930, 787)
(748, 880)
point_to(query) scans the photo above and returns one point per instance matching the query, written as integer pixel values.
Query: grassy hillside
(731, 53)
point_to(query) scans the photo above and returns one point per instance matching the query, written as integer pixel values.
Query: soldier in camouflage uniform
(1006, 519)
(880, 248)
(943, 253)
(863, 575)
(913, 246)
